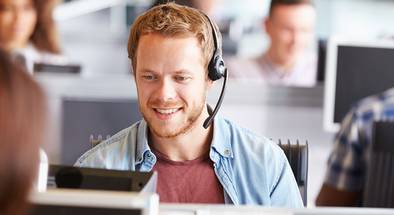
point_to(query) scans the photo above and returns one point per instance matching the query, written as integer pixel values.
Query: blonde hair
(173, 20)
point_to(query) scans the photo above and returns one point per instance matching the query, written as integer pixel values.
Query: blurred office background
(94, 34)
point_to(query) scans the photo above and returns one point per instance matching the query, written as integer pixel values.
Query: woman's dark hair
(45, 35)
(22, 120)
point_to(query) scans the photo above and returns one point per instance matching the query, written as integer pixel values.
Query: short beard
(188, 125)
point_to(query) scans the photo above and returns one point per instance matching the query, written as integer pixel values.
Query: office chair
(379, 186)
(297, 155)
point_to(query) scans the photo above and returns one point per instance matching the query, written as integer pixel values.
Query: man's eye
(182, 78)
(148, 77)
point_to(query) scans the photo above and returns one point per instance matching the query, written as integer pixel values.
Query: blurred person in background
(28, 31)
(290, 27)
(347, 165)
(22, 121)
(230, 27)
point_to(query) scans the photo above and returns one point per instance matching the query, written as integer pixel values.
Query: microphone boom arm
(209, 120)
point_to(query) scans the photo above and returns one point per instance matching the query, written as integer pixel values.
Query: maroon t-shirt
(191, 181)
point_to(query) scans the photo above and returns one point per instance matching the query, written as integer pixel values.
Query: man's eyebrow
(146, 71)
(183, 72)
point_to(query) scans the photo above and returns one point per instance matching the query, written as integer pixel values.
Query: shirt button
(148, 155)
(227, 152)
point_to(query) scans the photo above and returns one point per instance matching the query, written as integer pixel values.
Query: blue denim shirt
(251, 169)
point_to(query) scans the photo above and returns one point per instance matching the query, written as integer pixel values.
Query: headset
(216, 70)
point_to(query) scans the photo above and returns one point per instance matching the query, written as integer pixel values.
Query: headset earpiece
(216, 67)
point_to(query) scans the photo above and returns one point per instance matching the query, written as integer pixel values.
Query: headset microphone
(212, 115)
(216, 70)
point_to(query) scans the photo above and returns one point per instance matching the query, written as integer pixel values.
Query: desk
(103, 202)
(81, 202)
(195, 209)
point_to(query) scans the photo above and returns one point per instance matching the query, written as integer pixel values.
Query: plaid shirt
(347, 164)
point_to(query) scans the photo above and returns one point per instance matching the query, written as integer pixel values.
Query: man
(347, 164)
(290, 28)
(170, 47)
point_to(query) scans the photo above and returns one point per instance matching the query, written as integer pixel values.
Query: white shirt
(262, 69)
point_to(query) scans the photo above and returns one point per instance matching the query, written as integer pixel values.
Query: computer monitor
(354, 70)
(70, 177)
(82, 202)
(85, 118)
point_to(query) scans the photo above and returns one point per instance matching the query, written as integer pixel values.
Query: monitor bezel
(136, 178)
(331, 73)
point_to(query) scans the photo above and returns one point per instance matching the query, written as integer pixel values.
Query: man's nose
(166, 90)
(18, 14)
(293, 37)
(298, 37)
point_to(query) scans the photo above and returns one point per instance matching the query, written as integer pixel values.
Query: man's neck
(188, 146)
(282, 64)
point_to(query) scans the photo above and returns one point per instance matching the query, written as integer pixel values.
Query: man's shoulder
(244, 69)
(250, 142)
(103, 154)
(264, 165)
(376, 104)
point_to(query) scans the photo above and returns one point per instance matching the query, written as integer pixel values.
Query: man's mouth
(167, 111)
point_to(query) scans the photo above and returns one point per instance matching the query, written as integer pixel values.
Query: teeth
(166, 111)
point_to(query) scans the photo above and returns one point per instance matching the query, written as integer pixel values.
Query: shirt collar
(220, 141)
(142, 141)
(221, 138)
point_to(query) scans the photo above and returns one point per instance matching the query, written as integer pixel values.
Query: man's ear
(131, 68)
(209, 84)
(267, 25)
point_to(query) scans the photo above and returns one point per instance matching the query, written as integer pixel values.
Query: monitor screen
(100, 179)
(84, 119)
(355, 71)
(81, 202)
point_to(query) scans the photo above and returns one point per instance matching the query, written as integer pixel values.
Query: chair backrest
(379, 186)
(297, 155)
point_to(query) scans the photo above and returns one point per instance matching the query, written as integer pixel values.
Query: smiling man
(172, 48)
